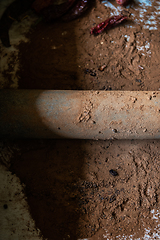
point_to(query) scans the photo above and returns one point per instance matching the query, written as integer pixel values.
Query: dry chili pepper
(38, 5)
(69, 9)
(122, 2)
(80, 7)
(107, 24)
(56, 11)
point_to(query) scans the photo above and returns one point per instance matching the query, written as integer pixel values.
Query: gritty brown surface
(72, 195)
(70, 192)
(65, 56)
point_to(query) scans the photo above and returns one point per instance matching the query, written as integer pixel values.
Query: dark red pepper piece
(80, 7)
(56, 11)
(107, 24)
(122, 2)
(68, 10)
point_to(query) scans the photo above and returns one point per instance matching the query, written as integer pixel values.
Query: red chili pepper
(68, 10)
(80, 7)
(122, 2)
(52, 11)
(107, 24)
